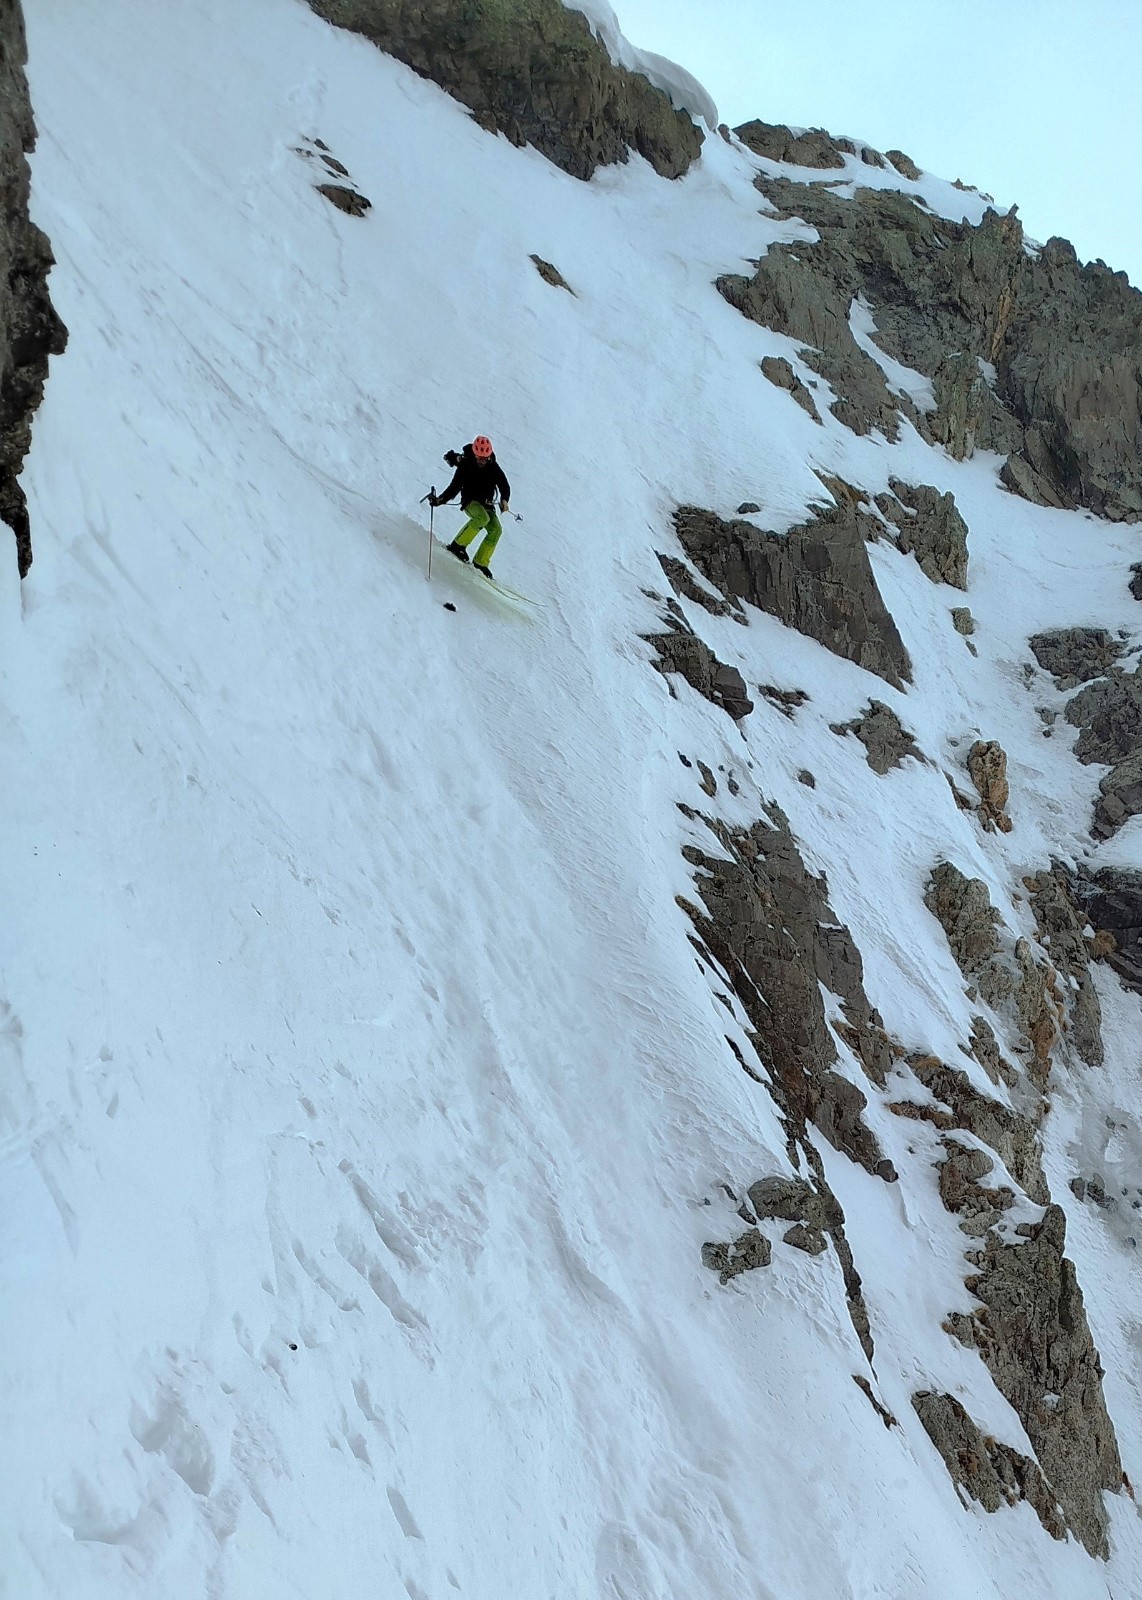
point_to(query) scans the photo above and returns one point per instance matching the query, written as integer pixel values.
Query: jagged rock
(963, 621)
(809, 148)
(985, 1049)
(993, 1474)
(780, 372)
(961, 1191)
(1112, 899)
(681, 580)
(1120, 796)
(987, 767)
(906, 167)
(682, 651)
(930, 528)
(30, 330)
(767, 924)
(1136, 580)
(534, 72)
(752, 1249)
(964, 910)
(882, 1411)
(551, 275)
(1108, 713)
(1030, 355)
(1032, 1332)
(345, 199)
(807, 778)
(784, 700)
(1012, 1136)
(817, 579)
(795, 1200)
(749, 508)
(1062, 928)
(1075, 655)
(1039, 1008)
(811, 1240)
(885, 738)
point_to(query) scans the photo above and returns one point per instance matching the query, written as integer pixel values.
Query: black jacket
(477, 480)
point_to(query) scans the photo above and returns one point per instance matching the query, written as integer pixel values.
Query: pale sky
(1037, 102)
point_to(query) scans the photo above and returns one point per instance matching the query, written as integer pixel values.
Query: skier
(477, 480)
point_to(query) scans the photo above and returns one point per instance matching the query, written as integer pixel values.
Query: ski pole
(431, 498)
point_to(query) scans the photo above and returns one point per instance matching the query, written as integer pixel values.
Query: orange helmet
(482, 447)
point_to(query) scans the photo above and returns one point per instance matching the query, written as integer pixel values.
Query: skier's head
(482, 447)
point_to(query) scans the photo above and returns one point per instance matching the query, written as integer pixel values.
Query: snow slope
(365, 1107)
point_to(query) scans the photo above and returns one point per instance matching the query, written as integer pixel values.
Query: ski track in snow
(365, 1108)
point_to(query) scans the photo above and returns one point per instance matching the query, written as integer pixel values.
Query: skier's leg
(477, 521)
(491, 539)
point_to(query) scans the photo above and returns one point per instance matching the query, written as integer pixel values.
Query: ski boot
(456, 549)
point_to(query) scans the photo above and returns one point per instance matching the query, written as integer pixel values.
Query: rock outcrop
(885, 738)
(1075, 655)
(30, 330)
(682, 651)
(817, 578)
(929, 527)
(1032, 1332)
(1062, 929)
(780, 372)
(1108, 713)
(987, 768)
(1030, 354)
(533, 71)
(991, 1473)
(1112, 899)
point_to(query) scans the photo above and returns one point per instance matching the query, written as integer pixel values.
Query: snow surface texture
(365, 1108)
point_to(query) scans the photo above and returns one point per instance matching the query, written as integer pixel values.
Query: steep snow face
(366, 1107)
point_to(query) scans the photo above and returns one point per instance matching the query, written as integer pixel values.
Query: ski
(489, 583)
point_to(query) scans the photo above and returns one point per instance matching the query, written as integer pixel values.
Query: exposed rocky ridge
(1108, 713)
(1075, 655)
(766, 926)
(929, 526)
(957, 302)
(885, 738)
(1062, 927)
(992, 1473)
(532, 70)
(1112, 899)
(987, 768)
(1032, 1332)
(817, 578)
(681, 650)
(780, 372)
(1015, 981)
(30, 330)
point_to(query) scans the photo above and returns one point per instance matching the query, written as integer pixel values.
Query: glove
(504, 507)
(433, 499)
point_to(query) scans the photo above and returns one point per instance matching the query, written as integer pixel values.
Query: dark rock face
(964, 910)
(768, 926)
(1032, 1332)
(1075, 655)
(1061, 924)
(814, 148)
(780, 372)
(752, 1249)
(345, 199)
(30, 330)
(1109, 713)
(885, 738)
(929, 527)
(682, 651)
(954, 301)
(987, 768)
(817, 578)
(1112, 899)
(962, 1108)
(993, 1474)
(532, 70)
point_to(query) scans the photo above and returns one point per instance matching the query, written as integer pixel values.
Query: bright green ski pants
(480, 520)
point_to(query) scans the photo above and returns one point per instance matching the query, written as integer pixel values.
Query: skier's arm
(451, 489)
(505, 487)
